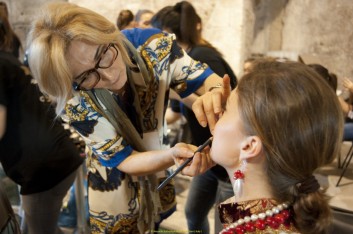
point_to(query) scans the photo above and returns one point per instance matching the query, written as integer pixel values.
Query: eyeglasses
(90, 78)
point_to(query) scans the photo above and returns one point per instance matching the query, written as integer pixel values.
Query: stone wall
(221, 20)
(324, 29)
(320, 30)
(21, 13)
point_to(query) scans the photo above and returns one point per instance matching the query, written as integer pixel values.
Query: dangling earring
(239, 180)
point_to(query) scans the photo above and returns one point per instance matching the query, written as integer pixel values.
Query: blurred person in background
(125, 20)
(36, 152)
(13, 43)
(143, 18)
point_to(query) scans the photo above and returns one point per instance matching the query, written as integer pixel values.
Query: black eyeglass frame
(77, 86)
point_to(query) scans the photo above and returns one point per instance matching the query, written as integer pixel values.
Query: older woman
(113, 88)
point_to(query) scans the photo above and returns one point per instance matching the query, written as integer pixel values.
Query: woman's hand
(199, 164)
(209, 106)
(348, 84)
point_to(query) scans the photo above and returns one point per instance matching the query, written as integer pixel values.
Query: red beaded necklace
(272, 218)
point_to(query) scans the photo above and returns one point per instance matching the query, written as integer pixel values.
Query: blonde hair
(300, 123)
(49, 39)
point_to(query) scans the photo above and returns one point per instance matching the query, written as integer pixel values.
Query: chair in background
(344, 165)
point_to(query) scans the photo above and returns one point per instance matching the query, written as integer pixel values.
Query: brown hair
(7, 35)
(4, 10)
(325, 74)
(182, 20)
(125, 17)
(49, 38)
(282, 104)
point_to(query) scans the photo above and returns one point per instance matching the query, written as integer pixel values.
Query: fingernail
(203, 123)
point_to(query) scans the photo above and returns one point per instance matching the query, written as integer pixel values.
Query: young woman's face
(83, 57)
(228, 135)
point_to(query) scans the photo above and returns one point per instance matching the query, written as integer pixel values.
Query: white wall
(222, 20)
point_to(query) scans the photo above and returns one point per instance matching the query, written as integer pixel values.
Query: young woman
(274, 133)
(113, 89)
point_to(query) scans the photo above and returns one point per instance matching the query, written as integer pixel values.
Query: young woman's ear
(250, 147)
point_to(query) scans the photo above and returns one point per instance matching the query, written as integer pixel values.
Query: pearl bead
(233, 225)
(262, 215)
(247, 219)
(254, 217)
(240, 221)
(275, 210)
(280, 207)
(269, 213)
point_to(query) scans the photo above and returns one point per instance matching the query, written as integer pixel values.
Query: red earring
(238, 176)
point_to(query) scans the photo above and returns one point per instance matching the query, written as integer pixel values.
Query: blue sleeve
(117, 158)
(195, 84)
(138, 36)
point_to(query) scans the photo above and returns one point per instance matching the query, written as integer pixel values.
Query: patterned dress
(115, 197)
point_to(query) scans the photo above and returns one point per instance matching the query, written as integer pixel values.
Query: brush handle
(185, 163)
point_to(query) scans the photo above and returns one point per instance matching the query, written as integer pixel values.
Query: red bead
(250, 227)
(240, 229)
(274, 224)
(280, 218)
(269, 220)
(238, 175)
(285, 214)
(260, 224)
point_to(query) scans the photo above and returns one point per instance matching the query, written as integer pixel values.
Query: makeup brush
(181, 167)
